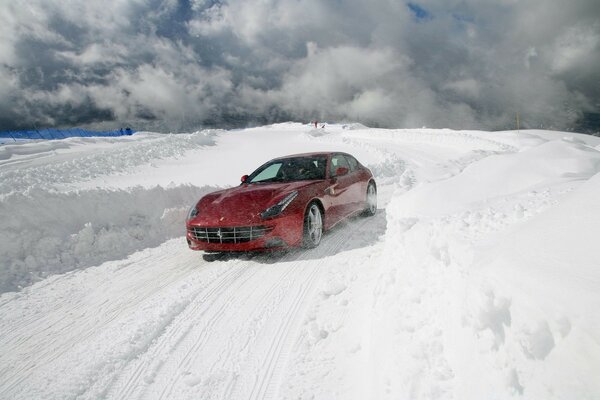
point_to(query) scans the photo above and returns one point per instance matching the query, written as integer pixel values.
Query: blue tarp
(48, 134)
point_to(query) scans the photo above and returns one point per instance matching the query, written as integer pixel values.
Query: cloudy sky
(179, 64)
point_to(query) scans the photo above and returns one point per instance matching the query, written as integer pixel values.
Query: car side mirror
(341, 171)
(244, 178)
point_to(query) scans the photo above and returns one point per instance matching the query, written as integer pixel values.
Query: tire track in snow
(246, 329)
(125, 288)
(262, 324)
(268, 381)
(190, 332)
(82, 322)
(152, 359)
(215, 316)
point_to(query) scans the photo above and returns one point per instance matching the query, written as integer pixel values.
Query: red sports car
(287, 202)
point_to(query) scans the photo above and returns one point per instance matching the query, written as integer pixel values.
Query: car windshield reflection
(290, 170)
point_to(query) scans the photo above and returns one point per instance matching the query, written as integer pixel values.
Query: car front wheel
(313, 226)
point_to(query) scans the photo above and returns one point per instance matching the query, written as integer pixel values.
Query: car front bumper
(272, 234)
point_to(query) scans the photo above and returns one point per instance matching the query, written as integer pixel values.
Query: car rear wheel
(313, 226)
(371, 208)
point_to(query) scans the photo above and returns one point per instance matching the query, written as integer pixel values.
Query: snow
(479, 276)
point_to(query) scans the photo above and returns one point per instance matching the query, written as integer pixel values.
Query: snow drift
(45, 233)
(496, 272)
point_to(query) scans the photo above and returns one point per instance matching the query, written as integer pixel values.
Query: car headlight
(193, 212)
(278, 208)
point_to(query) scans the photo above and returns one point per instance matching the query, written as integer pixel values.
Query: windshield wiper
(270, 180)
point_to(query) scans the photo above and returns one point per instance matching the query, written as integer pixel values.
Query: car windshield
(290, 169)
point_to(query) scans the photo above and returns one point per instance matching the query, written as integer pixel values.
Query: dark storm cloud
(174, 65)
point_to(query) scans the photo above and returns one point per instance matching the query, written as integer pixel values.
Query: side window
(338, 161)
(268, 173)
(321, 165)
(353, 163)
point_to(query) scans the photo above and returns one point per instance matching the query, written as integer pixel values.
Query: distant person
(128, 131)
(316, 124)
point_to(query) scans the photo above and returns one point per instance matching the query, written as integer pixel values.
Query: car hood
(244, 203)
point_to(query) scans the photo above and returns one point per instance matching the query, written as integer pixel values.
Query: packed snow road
(431, 298)
(165, 324)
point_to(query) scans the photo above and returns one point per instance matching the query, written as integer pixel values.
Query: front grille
(237, 234)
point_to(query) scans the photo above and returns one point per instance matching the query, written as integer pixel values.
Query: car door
(340, 189)
(358, 186)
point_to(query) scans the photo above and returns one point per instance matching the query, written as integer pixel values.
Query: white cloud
(575, 47)
(469, 87)
(469, 64)
(530, 54)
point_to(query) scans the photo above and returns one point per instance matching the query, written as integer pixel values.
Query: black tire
(371, 200)
(313, 226)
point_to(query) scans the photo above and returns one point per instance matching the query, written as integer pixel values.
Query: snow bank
(561, 245)
(26, 148)
(503, 175)
(493, 274)
(89, 158)
(548, 269)
(45, 232)
(40, 146)
(354, 126)
(462, 140)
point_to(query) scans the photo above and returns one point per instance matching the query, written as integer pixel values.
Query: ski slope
(479, 277)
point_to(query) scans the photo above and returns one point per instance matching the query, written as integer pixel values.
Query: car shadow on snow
(353, 233)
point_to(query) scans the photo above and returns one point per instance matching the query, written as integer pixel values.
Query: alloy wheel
(313, 226)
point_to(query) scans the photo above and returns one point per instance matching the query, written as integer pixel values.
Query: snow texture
(478, 278)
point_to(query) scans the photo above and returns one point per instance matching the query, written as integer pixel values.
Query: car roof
(323, 153)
